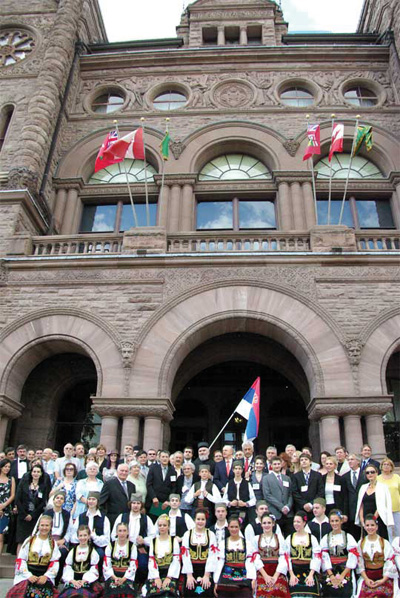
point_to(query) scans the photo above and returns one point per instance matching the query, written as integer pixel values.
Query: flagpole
(135, 220)
(163, 162)
(313, 179)
(348, 172)
(330, 175)
(220, 432)
(145, 176)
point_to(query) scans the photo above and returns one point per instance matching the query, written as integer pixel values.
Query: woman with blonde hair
(164, 562)
(295, 466)
(392, 481)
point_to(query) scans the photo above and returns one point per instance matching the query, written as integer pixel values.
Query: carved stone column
(174, 208)
(71, 210)
(153, 433)
(284, 210)
(298, 206)
(375, 435)
(163, 203)
(353, 433)
(395, 202)
(9, 409)
(309, 206)
(330, 433)
(221, 35)
(130, 430)
(243, 35)
(187, 223)
(109, 431)
(61, 200)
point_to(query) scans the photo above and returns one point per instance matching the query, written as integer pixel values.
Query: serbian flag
(129, 146)
(249, 408)
(101, 160)
(337, 140)
(314, 142)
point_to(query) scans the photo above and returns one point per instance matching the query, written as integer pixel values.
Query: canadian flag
(129, 146)
(337, 140)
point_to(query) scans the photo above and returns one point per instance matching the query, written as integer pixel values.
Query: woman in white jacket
(374, 497)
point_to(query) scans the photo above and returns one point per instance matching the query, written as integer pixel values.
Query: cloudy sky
(129, 20)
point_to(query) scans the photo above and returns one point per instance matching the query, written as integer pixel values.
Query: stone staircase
(7, 564)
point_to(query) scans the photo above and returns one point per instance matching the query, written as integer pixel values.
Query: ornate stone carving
(159, 408)
(177, 148)
(22, 178)
(15, 45)
(354, 348)
(127, 350)
(233, 94)
(9, 407)
(291, 146)
(341, 406)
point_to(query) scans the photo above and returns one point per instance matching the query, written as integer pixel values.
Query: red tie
(227, 468)
(246, 465)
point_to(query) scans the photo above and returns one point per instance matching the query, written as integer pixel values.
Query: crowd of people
(221, 524)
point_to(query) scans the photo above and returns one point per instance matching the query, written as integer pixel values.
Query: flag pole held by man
(249, 408)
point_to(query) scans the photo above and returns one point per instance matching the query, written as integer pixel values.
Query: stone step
(7, 566)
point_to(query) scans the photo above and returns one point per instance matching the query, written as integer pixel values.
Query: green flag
(364, 135)
(165, 146)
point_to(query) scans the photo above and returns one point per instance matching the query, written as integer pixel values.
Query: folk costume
(272, 556)
(339, 552)
(235, 569)
(120, 561)
(377, 560)
(304, 556)
(164, 561)
(199, 556)
(36, 557)
(138, 525)
(82, 565)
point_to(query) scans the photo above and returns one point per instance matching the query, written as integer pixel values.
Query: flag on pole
(249, 408)
(337, 140)
(164, 147)
(101, 160)
(364, 135)
(129, 146)
(314, 142)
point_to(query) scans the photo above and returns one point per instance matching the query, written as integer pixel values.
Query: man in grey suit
(277, 492)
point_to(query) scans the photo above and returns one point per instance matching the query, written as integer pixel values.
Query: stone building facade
(152, 333)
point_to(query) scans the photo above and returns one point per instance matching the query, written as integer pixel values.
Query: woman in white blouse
(81, 572)
(83, 487)
(271, 563)
(37, 564)
(305, 559)
(164, 563)
(120, 566)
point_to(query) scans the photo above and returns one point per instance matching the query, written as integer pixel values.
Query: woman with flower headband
(37, 564)
(164, 564)
(81, 570)
(120, 563)
(339, 559)
(235, 574)
(272, 562)
(199, 557)
(376, 563)
(305, 560)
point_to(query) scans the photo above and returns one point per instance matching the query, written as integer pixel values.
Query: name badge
(304, 489)
(256, 486)
(40, 494)
(286, 484)
(336, 488)
(173, 478)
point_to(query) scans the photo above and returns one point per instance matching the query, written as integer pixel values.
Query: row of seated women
(269, 566)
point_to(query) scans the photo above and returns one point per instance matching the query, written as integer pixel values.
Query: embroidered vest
(207, 504)
(244, 493)
(143, 523)
(378, 560)
(165, 561)
(98, 523)
(38, 565)
(82, 567)
(120, 565)
(199, 552)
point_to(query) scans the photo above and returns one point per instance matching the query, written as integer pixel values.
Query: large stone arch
(27, 342)
(227, 307)
(381, 338)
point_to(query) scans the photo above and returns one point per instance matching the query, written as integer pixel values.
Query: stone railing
(77, 244)
(234, 242)
(376, 241)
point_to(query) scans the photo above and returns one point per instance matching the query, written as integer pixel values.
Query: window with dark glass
(210, 36)
(117, 217)
(5, 120)
(358, 213)
(237, 214)
(361, 96)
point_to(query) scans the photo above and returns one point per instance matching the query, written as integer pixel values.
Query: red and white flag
(314, 142)
(337, 140)
(129, 146)
(101, 160)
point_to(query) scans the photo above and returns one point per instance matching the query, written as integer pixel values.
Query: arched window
(231, 167)
(115, 173)
(5, 120)
(361, 168)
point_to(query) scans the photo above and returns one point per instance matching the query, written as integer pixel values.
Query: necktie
(246, 465)
(125, 487)
(306, 477)
(227, 468)
(280, 479)
(354, 479)
(164, 473)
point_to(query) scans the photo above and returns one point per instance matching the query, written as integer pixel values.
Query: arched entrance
(214, 377)
(392, 418)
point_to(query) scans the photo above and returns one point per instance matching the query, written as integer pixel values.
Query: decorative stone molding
(176, 179)
(177, 147)
(325, 238)
(233, 94)
(122, 407)
(291, 146)
(23, 178)
(10, 408)
(354, 348)
(146, 239)
(127, 350)
(320, 407)
(20, 244)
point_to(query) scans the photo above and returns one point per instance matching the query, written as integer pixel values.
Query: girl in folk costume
(37, 565)
(272, 562)
(235, 575)
(120, 566)
(81, 571)
(305, 560)
(339, 559)
(199, 557)
(98, 524)
(376, 563)
(239, 494)
(164, 563)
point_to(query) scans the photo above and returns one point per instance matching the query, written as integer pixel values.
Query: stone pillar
(70, 211)
(284, 210)
(3, 429)
(153, 432)
(330, 433)
(309, 206)
(298, 206)
(243, 35)
(221, 36)
(109, 431)
(60, 208)
(174, 209)
(163, 202)
(395, 202)
(375, 435)
(130, 430)
(187, 208)
(9, 409)
(353, 433)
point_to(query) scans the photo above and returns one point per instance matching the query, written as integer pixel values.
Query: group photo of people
(220, 522)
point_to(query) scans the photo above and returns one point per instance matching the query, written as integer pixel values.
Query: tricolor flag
(249, 408)
(101, 161)
(337, 140)
(314, 143)
(129, 146)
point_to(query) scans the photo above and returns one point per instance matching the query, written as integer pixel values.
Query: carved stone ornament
(9, 407)
(354, 348)
(22, 178)
(15, 45)
(162, 412)
(127, 351)
(177, 148)
(291, 146)
(233, 94)
(340, 407)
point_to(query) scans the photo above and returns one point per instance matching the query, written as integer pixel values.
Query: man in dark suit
(161, 482)
(366, 453)
(353, 481)
(116, 493)
(277, 491)
(224, 469)
(19, 466)
(248, 460)
(204, 458)
(307, 485)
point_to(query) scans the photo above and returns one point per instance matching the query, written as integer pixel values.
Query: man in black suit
(307, 485)
(248, 460)
(161, 482)
(366, 453)
(19, 466)
(116, 493)
(224, 469)
(204, 458)
(277, 491)
(353, 481)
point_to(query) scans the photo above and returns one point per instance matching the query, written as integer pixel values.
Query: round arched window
(234, 167)
(170, 100)
(15, 45)
(136, 169)
(360, 96)
(296, 96)
(108, 102)
(361, 168)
